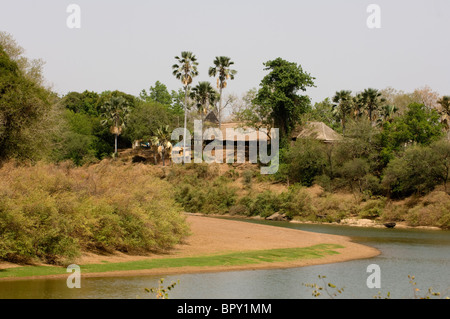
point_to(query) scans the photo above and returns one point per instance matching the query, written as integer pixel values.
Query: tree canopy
(279, 93)
(157, 93)
(23, 108)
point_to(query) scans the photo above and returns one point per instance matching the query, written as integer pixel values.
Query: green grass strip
(228, 259)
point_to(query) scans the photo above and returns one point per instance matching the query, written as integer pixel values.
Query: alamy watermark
(73, 21)
(374, 19)
(74, 279)
(374, 279)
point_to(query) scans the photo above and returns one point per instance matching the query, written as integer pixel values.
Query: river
(424, 254)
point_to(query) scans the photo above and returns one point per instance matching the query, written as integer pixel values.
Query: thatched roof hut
(317, 130)
(241, 133)
(212, 118)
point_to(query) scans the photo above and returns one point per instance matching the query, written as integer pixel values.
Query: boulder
(278, 217)
(358, 222)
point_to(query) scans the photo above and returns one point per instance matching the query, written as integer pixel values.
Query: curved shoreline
(350, 222)
(217, 236)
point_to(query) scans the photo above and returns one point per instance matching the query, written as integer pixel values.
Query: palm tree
(358, 106)
(115, 112)
(387, 113)
(204, 95)
(185, 70)
(343, 107)
(222, 70)
(162, 139)
(445, 113)
(372, 101)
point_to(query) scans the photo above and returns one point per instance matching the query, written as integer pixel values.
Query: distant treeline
(394, 143)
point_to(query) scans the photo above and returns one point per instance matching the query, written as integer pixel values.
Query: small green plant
(330, 289)
(247, 179)
(161, 291)
(428, 295)
(232, 174)
(379, 296)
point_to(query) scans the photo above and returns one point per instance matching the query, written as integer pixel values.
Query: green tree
(114, 113)
(185, 70)
(157, 93)
(358, 106)
(411, 173)
(162, 138)
(77, 141)
(101, 142)
(278, 93)
(387, 113)
(85, 102)
(354, 172)
(204, 96)
(307, 159)
(361, 141)
(177, 107)
(24, 106)
(145, 119)
(30, 69)
(343, 107)
(441, 166)
(222, 69)
(105, 96)
(372, 100)
(419, 125)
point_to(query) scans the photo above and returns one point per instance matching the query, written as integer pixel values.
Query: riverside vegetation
(53, 213)
(66, 188)
(202, 188)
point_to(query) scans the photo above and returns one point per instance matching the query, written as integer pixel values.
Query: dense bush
(419, 170)
(24, 109)
(432, 210)
(198, 191)
(53, 213)
(296, 202)
(307, 159)
(373, 208)
(263, 204)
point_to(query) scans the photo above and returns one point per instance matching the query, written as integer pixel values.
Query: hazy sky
(128, 45)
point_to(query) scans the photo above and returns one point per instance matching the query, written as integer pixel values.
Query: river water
(424, 254)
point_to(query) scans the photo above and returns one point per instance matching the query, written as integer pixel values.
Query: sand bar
(214, 236)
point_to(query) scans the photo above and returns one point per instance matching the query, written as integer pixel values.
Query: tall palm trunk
(163, 150)
(115, 144)
(343, 125)
(205, 108)
(220, 108)
(185, 124)
(116, 137)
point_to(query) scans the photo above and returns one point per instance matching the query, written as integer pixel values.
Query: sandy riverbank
(214, 236)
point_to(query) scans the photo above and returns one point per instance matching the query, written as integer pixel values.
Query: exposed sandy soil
(212, 236)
